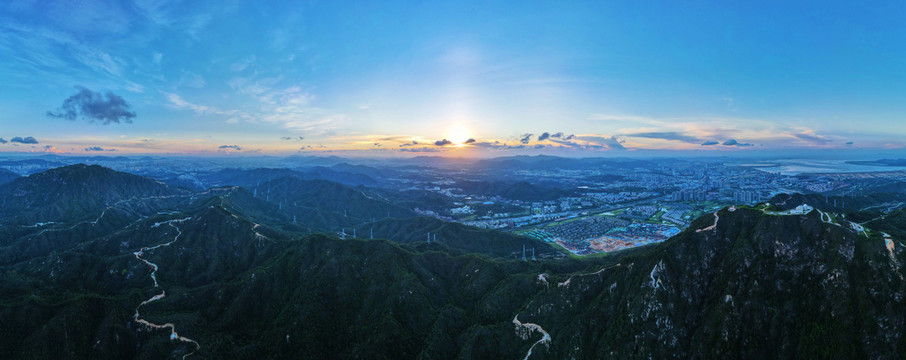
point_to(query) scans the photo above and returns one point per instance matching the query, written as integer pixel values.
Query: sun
(458, 134)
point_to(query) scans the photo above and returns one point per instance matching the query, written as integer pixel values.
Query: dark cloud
(3, 141)
(497, 145)
(470, 141)
(377, 144)
(710, 142)
(229, 147)
(484, 144)
(847, 143)
(670, 135)
(591, 142)
(285, 138)
(568, 143)
(543, 136)
(443, 142)
(98, 148)
(812, 138)
(422, 149)
(525, 138)
(289, 138)
(539, 146)
(94, 106)
(733, 142)
(26, 140)
(615, 143)
(413, 143)
(557, 135)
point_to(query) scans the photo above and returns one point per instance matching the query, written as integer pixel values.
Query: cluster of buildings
(586, 228)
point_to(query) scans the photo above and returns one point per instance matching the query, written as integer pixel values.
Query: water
(802, 166)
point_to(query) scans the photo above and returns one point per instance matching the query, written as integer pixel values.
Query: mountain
(458, 238)
(29, 166)
(881, 162)
(251, 178)
(328, 197)
(245, 290)
(77, 192)
(7, 176)
(753, 286)
(247, 178)
(334, 174)
(236, 277)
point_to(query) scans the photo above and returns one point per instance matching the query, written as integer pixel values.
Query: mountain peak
(74, 192)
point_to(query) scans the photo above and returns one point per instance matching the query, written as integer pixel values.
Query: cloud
(230, 147)
(497, 145)
(614, 143)
(598, 142)
(470, 141)
(285, 138)
(98, 148)
(243, 64)
(557, 135)
(422, 149)
(26, 140)
(733, 142)
(526, 138)
(94, 106)
(539, 146)
(543, 136)
(847, 143)
(484, 144)
(443, 142)
(3, 141)
(413, 143)
(710, 142)
(668, 135)
(291, 138)
(178, 102)
(811, 137)
(192, 80)
(589, 142)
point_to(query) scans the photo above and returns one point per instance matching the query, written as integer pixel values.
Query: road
(154, 268)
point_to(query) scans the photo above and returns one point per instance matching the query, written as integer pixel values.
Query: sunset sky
(399, 78)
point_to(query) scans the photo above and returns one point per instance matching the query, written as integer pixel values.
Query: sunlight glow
(458, 134)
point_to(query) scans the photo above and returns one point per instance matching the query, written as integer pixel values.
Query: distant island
(882, 162)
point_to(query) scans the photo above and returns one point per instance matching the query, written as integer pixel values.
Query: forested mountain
(225, 273)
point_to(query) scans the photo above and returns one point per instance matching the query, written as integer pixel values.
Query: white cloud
(243, 64)
(191, 79)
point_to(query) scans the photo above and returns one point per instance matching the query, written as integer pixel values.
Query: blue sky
(399, 77)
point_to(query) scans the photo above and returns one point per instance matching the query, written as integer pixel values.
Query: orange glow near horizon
(458, 134)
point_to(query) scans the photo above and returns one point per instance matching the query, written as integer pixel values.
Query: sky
(459, 78)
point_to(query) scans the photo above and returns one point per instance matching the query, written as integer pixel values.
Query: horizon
(574, 80)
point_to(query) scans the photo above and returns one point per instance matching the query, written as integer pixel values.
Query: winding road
(567, 282)
(526, 329)
(138, 255)
(712, 227)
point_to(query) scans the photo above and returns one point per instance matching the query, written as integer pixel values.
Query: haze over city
(465, 79)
